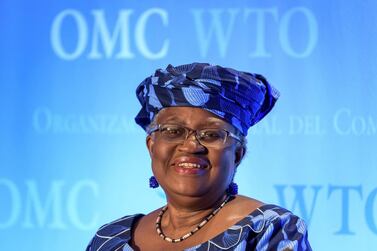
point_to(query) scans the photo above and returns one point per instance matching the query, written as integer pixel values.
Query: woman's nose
(192, 145)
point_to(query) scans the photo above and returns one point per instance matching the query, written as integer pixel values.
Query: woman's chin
(185, 190)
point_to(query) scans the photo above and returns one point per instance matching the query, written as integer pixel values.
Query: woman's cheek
(162, 155)
(226, 159)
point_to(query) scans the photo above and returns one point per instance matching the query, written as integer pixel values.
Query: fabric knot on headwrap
(240, 98)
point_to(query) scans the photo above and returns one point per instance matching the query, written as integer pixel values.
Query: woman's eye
(211, 135)
(171, 131)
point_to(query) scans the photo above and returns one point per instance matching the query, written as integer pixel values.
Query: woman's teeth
(189, 165)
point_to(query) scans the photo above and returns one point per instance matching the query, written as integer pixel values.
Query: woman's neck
(183, 215)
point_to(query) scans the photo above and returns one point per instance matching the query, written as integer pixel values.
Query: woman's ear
(149, 142)
(240, 153)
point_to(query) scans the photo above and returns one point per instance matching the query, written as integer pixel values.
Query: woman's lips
(190, 165)
(192, 171)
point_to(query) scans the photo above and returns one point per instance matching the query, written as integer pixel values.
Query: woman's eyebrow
(207, 122)
(173, 119)
(214, 121)
(210, 123)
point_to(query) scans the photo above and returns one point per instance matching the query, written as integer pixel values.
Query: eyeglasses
(208, 137)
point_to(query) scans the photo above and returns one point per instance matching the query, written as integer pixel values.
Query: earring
(153, 183)
(232, 189)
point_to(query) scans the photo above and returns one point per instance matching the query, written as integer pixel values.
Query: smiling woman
(193, 164)
(196, 117)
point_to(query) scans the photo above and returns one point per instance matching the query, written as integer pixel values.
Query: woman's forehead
(189, 114)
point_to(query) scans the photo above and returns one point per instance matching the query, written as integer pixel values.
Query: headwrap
(240, 98)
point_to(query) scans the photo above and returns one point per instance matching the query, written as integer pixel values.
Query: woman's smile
(190, 165)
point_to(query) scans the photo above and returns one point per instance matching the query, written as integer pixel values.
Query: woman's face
(172, 163)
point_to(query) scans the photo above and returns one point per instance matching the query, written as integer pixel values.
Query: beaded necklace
(199, 226)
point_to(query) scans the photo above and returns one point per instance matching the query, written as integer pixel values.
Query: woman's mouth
(190, 165)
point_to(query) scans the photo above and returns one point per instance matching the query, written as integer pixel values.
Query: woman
(197, 117)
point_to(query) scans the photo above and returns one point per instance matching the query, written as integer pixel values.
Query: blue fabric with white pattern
(268, 228)
(240, 98)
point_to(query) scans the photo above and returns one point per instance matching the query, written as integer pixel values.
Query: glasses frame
(189, 131)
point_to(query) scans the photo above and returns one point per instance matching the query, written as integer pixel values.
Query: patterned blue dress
(270, 227)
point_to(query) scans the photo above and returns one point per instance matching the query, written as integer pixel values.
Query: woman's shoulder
(270, 227)
(276, 228)
(260, 211)
(114, 234)
(271, 213)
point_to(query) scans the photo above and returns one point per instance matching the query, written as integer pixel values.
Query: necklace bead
(197, 228)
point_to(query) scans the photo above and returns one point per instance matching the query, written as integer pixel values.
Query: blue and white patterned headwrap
(240, 98)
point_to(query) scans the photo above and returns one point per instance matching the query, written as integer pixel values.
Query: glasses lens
(172, 132)
(212, 137)
(206, 137)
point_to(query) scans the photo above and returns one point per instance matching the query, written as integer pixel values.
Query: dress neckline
(255, 220)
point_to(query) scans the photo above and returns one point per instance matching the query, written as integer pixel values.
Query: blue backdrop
(72, 158)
